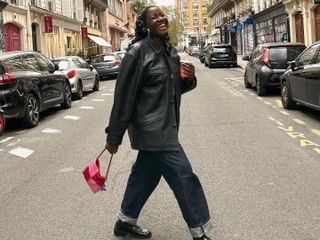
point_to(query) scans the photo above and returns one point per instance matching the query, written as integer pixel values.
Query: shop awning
(215, 32)
(100, 41)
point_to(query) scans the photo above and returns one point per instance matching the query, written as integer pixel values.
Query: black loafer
(204, 237)
(122, 229)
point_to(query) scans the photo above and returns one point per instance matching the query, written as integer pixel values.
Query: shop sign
(48, 24)
(84, 31)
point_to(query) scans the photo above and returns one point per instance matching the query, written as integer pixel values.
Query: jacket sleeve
(187, 85)
(128, 82)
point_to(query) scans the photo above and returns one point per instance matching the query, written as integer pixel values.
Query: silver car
(82, 76)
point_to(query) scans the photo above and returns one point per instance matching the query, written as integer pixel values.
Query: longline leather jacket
(147, 98)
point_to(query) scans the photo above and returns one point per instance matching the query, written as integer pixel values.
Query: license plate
(224, 55)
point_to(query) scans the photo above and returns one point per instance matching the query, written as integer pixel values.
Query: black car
(220, 55)
(267, 64)
(301, 82)
(107, 65)
(29, 84)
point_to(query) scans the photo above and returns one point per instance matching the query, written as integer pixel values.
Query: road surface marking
(97, 100)
(111, 90)
(260, 98)
(280, 123)
(106, 94)
(299, 121)
(68, 169)
(75, 102)
(252, 94)
(6, 139)
(271, 118)
(266, 102)
(72, 117)
(279, 103)
(1, 150)
(285, 113)
(86, 107)
(316, 131)
(21, 152)
(51, 130)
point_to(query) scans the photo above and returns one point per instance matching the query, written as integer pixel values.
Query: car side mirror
(293, 65)
(246, 58)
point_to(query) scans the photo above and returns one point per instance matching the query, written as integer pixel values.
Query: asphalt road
(259, 166)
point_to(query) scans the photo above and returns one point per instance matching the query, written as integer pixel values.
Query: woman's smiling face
(157, 22)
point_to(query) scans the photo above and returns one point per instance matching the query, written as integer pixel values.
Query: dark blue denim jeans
(175, 167)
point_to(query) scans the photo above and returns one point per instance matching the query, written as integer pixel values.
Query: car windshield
(285, 53)
(62, 64)
(105, 58)
(222, 49)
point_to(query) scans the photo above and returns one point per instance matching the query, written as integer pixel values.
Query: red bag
(93, 176)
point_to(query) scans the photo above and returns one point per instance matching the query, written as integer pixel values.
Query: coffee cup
(183, 68)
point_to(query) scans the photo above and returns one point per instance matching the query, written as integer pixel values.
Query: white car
(81, 75)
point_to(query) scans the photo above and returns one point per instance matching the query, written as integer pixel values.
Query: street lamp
(3, 5)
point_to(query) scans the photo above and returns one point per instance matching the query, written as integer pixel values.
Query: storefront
(271, 25)
(247, 34)
(93, 42)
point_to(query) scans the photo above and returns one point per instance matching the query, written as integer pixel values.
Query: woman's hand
(112, 149)
(188, 70)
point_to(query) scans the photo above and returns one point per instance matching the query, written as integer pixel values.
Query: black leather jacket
(147, 98)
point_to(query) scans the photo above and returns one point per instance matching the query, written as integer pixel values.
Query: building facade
(195, 21)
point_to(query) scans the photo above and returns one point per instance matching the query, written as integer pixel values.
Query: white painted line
(51, 130)
(86, 107)
(106, 94)
(1, 150)
(76, 102)
(6, 139)
(21, 152)
(316, 131)
(72, 117)
(102, 88)
(65, 170)
(285, 113)
(271, 118)
(97, 100)
(266, 102)
(280, 123)
(252, 94)
(12, 144)
(260, 98)
(299, 121)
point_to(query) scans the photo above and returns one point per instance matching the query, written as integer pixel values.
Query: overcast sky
(164, 2)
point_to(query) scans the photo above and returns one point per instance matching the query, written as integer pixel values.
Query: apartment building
(194, 20)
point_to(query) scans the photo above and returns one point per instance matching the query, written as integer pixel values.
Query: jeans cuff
(125, 218)
(204, 229)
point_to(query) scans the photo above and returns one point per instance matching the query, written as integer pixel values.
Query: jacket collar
(153, 46)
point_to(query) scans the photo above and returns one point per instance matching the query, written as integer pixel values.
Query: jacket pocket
(152, 118)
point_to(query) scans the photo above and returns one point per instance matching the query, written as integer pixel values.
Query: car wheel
(286, 97)
(246, 82)
(79, 93)
(2, 123)
(96, 86)
(67, 97)
(31, 117)
(261, 90)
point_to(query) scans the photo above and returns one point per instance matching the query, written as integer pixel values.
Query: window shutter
(66, 9)
(79, 10)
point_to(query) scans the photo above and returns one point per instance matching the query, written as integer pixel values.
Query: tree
(137, 6)
(175, 27)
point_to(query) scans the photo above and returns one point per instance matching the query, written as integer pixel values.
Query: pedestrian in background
(147, 103)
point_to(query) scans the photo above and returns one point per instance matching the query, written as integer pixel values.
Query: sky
(164, 2)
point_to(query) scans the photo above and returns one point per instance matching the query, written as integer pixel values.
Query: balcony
(101, 5)
(217, 5)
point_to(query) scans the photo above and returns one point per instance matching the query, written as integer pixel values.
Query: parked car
(120, 54)
(267, 64)
(82, 76)
(301, 82)
(106, 65)
(29, 84)
(220, 55)
(2, 121)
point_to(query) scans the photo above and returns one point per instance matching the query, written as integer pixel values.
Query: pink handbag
(93, 176)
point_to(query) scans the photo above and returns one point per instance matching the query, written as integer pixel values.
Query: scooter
(2, 121)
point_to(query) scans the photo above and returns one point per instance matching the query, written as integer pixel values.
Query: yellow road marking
(316, 131)
(285, 113)
(271, 118)
(280, 123)
(299, 121)
(279, 103)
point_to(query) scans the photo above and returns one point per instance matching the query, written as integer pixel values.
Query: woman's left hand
(189, 71)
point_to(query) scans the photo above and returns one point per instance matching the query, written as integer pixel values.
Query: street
(258, 163)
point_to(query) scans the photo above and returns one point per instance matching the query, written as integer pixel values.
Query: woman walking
(147, 103)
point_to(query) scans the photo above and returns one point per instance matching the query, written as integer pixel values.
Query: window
(83, 63)
(62, 64)
(31, 63)
(13, 64)
(50, 6)
(256, 53)
(318, 57)
(307, 57)
(45, 64)
(76, 62)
